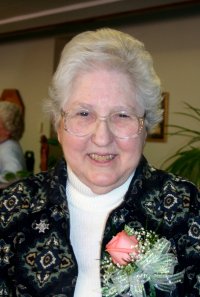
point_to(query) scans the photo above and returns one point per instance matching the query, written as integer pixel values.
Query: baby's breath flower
(145, 242)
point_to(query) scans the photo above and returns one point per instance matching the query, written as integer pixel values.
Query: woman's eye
(123, 115)
(83, 113)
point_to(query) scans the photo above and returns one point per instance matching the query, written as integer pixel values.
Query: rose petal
(121, 246)
(119, 258)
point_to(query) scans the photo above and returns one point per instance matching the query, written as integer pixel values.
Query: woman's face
(101, 160)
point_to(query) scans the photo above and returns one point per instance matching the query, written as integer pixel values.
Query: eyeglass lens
(122, 124)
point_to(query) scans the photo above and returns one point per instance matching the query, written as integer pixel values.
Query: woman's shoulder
(162, 179)
(10, 142)
(33, 194)
(159, 186)
(9, 145)
(23, 197)
(176, 183)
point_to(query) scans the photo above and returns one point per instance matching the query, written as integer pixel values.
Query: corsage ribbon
(156, 267)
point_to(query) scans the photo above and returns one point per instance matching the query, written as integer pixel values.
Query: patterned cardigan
(36, 257)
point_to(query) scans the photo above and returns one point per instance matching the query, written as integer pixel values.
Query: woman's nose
(102, 135)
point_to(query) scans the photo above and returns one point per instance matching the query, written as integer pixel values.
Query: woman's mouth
(102, 158)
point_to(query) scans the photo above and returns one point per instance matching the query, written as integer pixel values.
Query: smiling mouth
(104, 158)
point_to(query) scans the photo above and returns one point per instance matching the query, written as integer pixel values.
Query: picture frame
(159, 133)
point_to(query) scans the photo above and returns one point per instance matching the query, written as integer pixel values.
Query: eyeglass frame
(141, 120)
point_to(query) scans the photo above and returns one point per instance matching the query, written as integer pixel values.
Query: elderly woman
(11, 130)
(83, 228)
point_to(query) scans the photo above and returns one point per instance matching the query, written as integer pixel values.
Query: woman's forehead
(101, 85)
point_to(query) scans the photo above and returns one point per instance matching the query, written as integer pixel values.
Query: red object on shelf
(13, 95)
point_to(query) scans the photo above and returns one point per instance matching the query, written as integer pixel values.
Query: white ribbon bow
(155, 267)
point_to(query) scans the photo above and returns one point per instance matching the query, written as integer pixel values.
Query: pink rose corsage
(133, 258)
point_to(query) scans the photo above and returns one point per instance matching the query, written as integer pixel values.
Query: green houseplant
(186, 161)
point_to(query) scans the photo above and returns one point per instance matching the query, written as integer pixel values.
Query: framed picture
(159, 133)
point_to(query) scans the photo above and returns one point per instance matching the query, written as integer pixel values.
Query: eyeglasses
(122, 124)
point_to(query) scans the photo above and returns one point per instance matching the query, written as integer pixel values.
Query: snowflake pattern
(42, 226)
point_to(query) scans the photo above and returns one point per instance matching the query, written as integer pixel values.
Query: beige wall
(174, 45)
(27, 66)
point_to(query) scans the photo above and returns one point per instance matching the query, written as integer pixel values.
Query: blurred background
(33, 33)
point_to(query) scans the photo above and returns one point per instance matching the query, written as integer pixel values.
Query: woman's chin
(102, 185)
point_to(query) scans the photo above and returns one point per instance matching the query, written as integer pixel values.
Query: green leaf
(187, 164)
(11, 176)
(186, 160)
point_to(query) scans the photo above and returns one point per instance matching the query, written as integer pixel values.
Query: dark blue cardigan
(36, 257)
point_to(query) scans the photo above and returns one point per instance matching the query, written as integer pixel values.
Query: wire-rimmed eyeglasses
(122, 124)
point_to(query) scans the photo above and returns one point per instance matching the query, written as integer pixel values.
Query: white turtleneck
(88, 216)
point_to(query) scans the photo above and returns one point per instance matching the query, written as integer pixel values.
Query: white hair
(111, 49)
